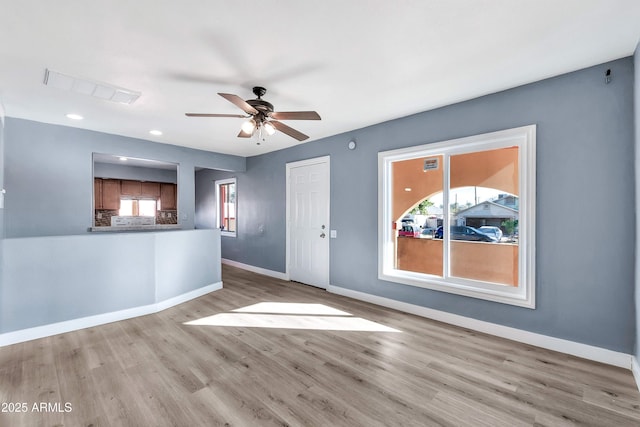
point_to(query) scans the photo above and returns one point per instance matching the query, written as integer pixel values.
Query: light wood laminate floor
(264, 352)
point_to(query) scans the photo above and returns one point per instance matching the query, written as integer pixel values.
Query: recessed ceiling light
(155, 132)
(124, 159)
(74, 116)
(407, 189)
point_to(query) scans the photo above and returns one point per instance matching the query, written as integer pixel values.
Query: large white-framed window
(458, 216)
(227, 206)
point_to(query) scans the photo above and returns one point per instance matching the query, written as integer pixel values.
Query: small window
(138, 207)
(478, 194)
(227, 206)
(126, 207)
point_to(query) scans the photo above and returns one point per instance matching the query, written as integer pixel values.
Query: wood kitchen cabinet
(140, 189)
(110, 194)
(150, 189)
(168, 197)
(97, 193)
(107, 192)
(130, 188)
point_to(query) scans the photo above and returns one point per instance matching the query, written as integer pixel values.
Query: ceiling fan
(263, 120)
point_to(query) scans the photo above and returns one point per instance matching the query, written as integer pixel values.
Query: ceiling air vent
(96, 89)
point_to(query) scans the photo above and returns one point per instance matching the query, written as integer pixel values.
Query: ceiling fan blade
(239, 102)
(288, 130)
(213, 115)
(243, 134)
(295, 115)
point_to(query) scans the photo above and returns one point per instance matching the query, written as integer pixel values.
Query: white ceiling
(356, 63)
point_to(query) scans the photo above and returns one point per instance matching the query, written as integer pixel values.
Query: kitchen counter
(157, 227)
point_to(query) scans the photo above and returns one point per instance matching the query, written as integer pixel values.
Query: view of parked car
(409, 230)
(491, 230)
(463, 232)
(408, 221)
(427, 232)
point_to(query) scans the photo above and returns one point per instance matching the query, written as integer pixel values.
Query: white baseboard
(585, 351)
(101, 319)
(188, 296)
(635, 368)
(254, 269)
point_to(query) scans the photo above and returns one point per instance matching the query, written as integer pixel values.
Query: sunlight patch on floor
(292, 316)
(292, 308)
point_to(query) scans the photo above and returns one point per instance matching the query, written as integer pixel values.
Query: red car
(409, 230)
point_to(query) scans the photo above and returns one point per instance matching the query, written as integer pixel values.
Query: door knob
(323, 235)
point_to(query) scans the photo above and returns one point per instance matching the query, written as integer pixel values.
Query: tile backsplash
(103, 217)
(167, 217)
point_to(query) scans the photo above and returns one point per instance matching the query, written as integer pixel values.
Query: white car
(491, 231)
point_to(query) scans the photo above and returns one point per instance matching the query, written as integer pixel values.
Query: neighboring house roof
(507, 200)
(487, 210)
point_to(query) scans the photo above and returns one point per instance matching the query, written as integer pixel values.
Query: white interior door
(308, 221)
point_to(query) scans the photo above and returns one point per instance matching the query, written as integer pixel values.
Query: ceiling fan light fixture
(249, 126)
(268, 127)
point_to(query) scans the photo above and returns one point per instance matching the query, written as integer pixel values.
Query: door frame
(297, 164)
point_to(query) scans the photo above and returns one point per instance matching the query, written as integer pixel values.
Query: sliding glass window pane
(417, 214)
(483, 216)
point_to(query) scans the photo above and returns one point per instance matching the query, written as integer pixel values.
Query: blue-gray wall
(206, 197)
(585, 204)
(138, 173)
(260, 196)
(48, 175)
(2, 119)
(253, 215)
(636, 97)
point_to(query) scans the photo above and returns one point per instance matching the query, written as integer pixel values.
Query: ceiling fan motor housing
(261, 105)
(264, 109)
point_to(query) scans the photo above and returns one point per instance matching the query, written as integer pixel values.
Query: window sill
(496, 293)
